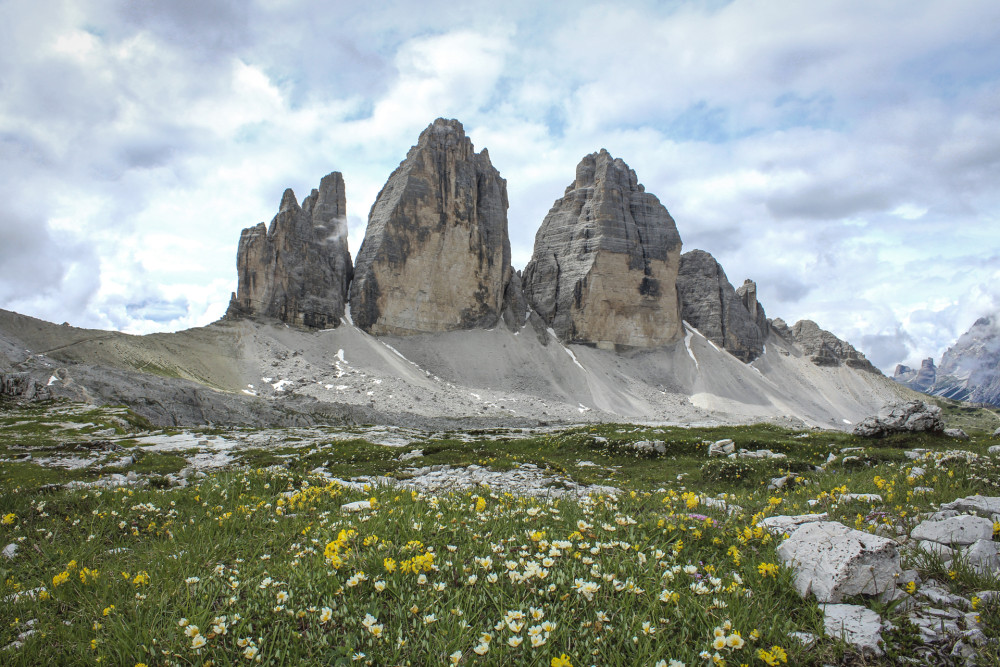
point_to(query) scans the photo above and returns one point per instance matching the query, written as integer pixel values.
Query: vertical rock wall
(605, 261)
(732, 319)
(436, 255)
(298, 269)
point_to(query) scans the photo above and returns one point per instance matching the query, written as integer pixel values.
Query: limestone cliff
(297, 270)
(436, 255)
(730, 318)
(604, 266)
(821, 346)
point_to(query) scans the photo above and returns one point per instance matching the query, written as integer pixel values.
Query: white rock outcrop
(832, 561)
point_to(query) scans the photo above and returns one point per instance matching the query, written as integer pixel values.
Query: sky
(843, 154)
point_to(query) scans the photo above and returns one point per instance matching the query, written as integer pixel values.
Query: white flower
(480, 649)
(192, 580)
(198, 641)
(250, 652)
(325, 614)
(515, 641)
(380, 585)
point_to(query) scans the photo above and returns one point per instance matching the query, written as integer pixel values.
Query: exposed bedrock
(821, 346)
(436, 255)
(604, 267)
(732, 319)
(297, 270)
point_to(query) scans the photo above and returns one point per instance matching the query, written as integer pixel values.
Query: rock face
(22, 386)
(821, 346)
(297, 269)
(604, 267)
(730, 318)
(436, 255)
(969, 369)
(917, 380)
(913, 416)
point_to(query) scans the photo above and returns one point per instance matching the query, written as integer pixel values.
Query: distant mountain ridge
(969, 369)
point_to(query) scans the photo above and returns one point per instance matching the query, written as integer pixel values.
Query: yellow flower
(767, 569)
(141, 579)
(60, 578)
(8, 519)
(561, 661)
(389, 564)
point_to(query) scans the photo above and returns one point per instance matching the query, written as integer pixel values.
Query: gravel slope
(252, 373)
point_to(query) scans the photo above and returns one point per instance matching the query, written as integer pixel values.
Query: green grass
(234, 544)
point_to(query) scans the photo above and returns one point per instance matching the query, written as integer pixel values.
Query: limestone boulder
(731, 319)
(297, 269)
(909, 417)
(987, 507)
(956, 433)
(960, 530)
(832, 561)
(604, 267)
(436, 254)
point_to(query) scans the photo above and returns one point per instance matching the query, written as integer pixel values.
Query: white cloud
(843, 154)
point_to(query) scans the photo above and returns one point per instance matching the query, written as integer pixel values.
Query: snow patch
(340, 355)
(688, 335)
(573, 357)
(281, 384)
(52, 381)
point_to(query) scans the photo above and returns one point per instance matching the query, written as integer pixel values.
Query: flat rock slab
(832, 561)
(961, 530)
(854, 624)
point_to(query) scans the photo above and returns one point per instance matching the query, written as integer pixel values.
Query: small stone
(996, 433)
(862, 497)
(10, 551)
(956, 433)
(359, 506)
(994, 449)
(854, 624)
